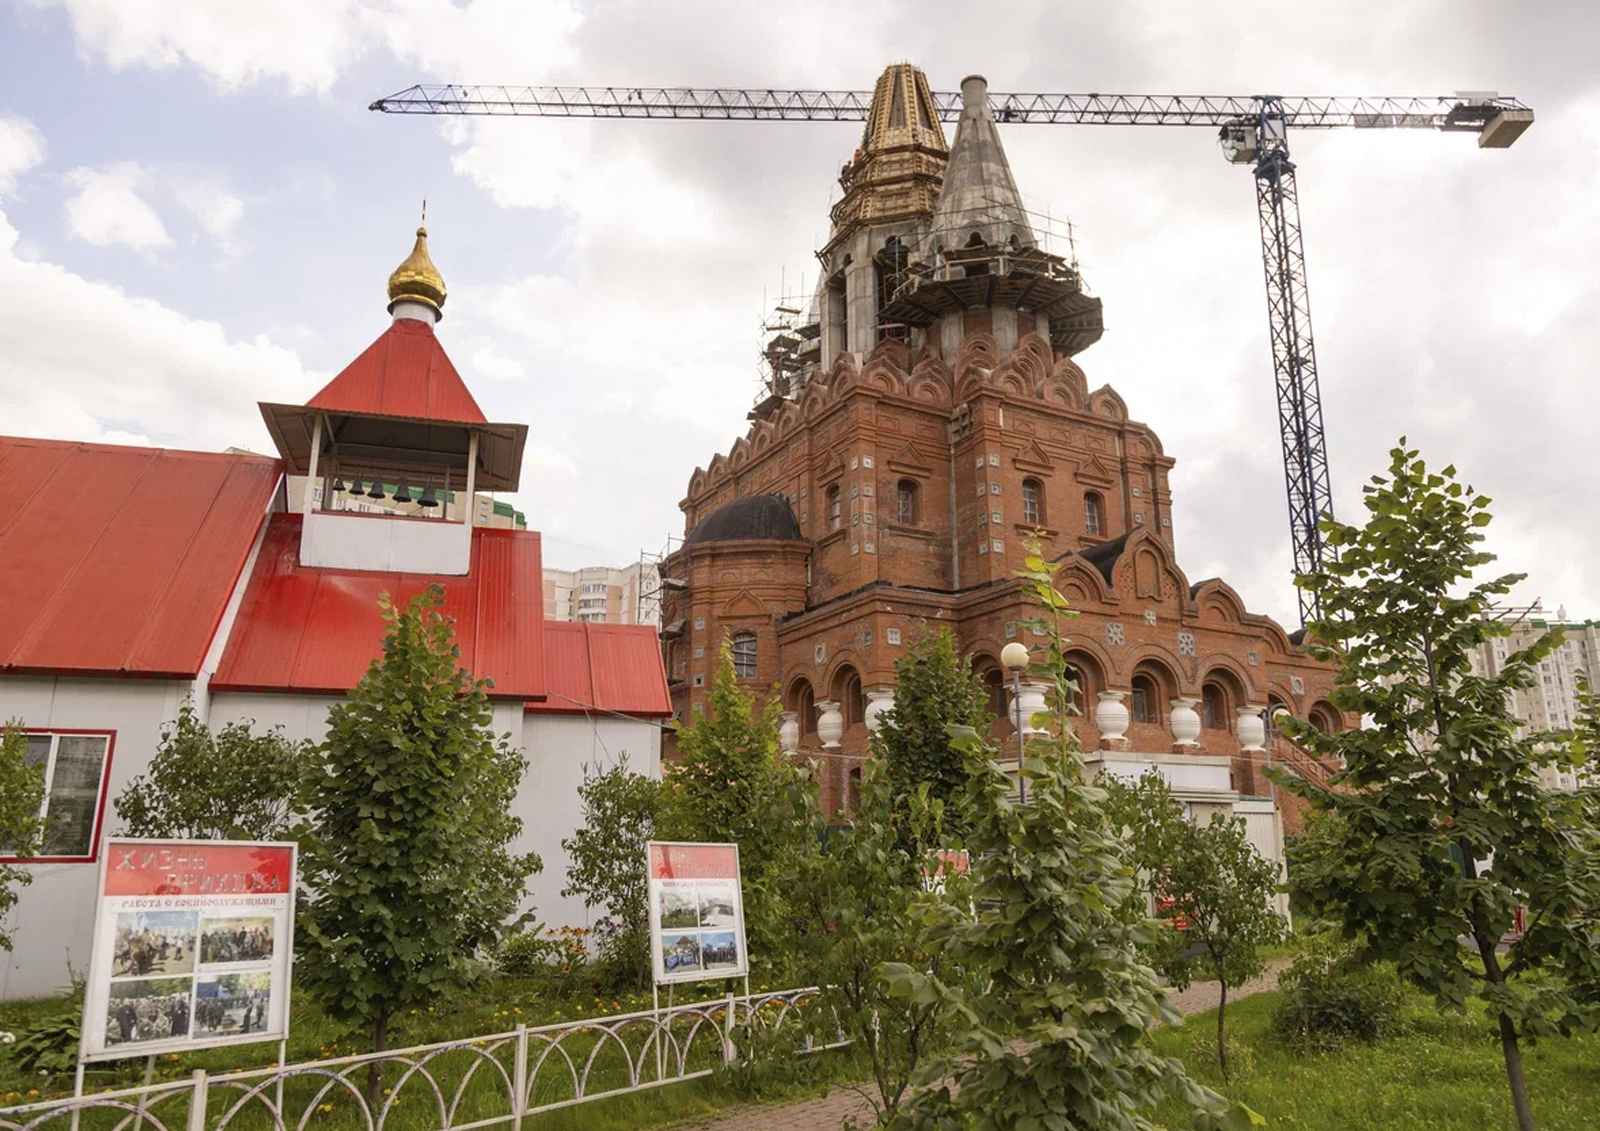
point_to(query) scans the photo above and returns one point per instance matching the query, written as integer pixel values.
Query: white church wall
(54, 916)
(385, 544)
(559, 747)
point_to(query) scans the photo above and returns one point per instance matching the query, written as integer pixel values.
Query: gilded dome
(417, 279)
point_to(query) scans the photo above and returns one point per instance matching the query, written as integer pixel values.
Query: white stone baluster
(789, 731)
(1252, 729)
(1111, 717)
(879, 700)
(830, 724)
(1185, 722)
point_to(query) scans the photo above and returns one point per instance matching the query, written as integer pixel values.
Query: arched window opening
(1033, 502)
(994, 684)
(1093, 514)
(1322, 717)
(906, 498)
(1213, 707)
(743, 646)
(852, 701)
(835, 507)
(804, 703)
(1080, 696)
(1146, 699)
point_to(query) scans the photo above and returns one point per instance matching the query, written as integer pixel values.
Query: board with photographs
(192, 947)
(696, 912)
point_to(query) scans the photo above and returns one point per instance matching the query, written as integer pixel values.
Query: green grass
(1444, 1074)
(498, 1007)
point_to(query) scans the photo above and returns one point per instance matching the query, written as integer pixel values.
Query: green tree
(934, 690)
(606, 863)
(231, 784)
(728, 777)
(406, 852)
(21, 798)
(1443, 827)
(1053, 1032)
(851, 898)
(1209, 887)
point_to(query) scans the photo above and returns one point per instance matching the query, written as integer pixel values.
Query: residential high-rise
(602, 595)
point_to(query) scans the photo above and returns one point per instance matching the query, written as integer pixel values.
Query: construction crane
(1253, 130)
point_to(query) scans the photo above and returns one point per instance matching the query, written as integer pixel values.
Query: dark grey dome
(759, 516)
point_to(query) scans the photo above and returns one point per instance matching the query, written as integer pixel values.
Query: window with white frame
(74, 771)
(743, 646)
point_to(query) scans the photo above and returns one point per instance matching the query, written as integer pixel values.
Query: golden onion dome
(417, 279)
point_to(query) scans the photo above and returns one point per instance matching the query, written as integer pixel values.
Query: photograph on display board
(232, 1004)
(148, 943)
(679, 908)
(680, 953)
(148, 1009)
(236, 938)
(718, 903)
(719, 950)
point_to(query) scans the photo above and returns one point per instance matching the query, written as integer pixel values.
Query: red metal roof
(310, 629)
(604, 667)
(120, 560)
(404, 373)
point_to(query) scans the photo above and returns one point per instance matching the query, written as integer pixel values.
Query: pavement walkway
(828, 1113)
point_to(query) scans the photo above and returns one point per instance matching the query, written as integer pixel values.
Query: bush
(48, 1047)
(1329, 1001)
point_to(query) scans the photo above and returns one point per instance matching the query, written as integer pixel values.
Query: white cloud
(22, 148)
(235, 43)
(215, 208)
(107, 208)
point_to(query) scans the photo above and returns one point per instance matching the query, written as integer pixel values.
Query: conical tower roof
(979, 197)
(894, 175)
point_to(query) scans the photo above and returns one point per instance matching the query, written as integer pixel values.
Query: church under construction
(924, 419)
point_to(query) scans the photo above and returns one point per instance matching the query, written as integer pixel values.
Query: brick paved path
(829, 1112)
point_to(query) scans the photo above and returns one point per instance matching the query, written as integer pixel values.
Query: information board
(193, 945)
(696, 912)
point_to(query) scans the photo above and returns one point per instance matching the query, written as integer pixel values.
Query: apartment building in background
(602, 595)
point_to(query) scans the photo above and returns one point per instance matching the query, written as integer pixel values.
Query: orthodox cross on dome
(417, 282)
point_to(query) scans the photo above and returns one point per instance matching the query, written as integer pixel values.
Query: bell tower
(398, 422)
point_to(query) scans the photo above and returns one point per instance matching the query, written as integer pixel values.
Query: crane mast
(1254, 131)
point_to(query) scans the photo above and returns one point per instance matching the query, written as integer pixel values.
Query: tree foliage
(851, 898)
(230, 784)
(1209, 887)
(21, 798)
(728, 777)
(606, 863)
(406, 852)
(934, 690)
(1443, 827)
(1053, 1032)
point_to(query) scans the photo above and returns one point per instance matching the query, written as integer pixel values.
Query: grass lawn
(1445, 1074)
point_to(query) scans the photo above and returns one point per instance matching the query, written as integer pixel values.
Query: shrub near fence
(486, 1081)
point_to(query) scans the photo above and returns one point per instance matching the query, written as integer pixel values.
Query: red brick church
(931, 417)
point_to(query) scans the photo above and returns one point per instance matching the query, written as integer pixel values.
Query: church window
(1143, 708)
(1213, 707)
(1093, 514)
(835, 507)
(74, 768)
(1032, 502)
(906, 495)
(852, 701)
(744, 655)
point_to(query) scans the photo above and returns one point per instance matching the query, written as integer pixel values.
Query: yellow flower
(33, 1091)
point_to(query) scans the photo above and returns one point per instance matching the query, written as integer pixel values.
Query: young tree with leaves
(21, 798)
(406, 853)
(934, 690)
(1443, 828)
(851, 897)
(723, 786)
(1056, 1032)
(606, 865)
(231, 784)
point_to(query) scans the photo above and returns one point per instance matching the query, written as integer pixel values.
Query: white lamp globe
(1014, 656)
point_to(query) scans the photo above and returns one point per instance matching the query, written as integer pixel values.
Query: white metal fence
(499, 1078)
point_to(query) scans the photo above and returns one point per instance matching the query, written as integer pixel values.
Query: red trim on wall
(100, 806)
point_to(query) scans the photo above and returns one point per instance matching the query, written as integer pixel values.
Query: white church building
(134, 579)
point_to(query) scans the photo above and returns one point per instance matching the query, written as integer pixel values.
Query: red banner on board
(694, 862)
(154, 868)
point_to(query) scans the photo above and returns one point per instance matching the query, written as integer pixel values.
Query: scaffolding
(791, 349)
(654, 584)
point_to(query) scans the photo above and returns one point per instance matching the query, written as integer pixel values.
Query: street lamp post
(1015, 658)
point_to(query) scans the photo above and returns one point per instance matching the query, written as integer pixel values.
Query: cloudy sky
(197, 212)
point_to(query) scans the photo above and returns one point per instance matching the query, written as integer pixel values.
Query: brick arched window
(835, 507)
(906, 510)
(803, 702)
(1094, 508)
(1213, 707)
(1033, 502)
(1324, 718)
(1145, 705)
(852, 700)
(743, 646)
